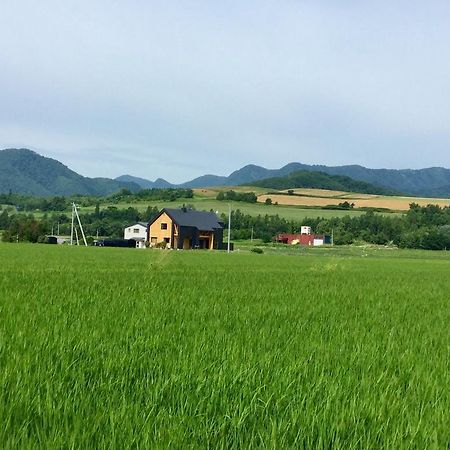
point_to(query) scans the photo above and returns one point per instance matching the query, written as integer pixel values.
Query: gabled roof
(202, 220)
(142, 224)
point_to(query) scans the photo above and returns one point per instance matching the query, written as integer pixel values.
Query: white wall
(135, 232)
(305, 230)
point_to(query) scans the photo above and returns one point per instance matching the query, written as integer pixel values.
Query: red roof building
(301, 239)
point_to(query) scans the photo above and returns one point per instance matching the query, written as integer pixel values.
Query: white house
(138, 232)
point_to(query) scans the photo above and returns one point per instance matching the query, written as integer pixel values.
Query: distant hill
(26, 172)
(431, 182)
(321, 180)
(206, 181)
(160, 183)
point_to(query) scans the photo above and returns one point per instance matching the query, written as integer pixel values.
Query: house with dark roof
(186, 229)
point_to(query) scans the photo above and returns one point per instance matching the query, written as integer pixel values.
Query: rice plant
(120, 348)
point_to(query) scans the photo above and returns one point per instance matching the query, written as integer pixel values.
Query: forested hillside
(430, 182)
(24, 171)
(320, 180)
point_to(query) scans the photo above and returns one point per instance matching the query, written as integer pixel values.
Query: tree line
(233, 196)
(22, 202)
(426, 227)
(108, 222)
(423, 227)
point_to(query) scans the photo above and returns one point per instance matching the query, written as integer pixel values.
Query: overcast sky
(177, 89)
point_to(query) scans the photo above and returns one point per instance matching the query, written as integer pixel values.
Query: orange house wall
(155, 229)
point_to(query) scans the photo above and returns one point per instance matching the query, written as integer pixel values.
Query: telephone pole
(229, 227)
(72, 226)
(75, 214)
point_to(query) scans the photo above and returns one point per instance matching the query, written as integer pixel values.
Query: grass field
(205, 203)
(205, 199)
(124, 348)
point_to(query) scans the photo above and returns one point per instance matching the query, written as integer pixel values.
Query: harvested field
(330, 194)
(393, 203)
(322, 197)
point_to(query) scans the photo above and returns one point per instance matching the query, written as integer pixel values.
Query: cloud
(177, 89)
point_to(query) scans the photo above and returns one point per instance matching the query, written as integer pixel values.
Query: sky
(177, 89)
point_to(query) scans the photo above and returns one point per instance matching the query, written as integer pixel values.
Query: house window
(167, 240)
(153, 240)
(164, 226)
(135, 230)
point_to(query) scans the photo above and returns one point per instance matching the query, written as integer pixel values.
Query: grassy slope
(205, 199)
(289, 212)
(120, 347)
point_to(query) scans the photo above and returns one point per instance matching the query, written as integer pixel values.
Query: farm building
(137, 232)
(186, 229)
(303, 238)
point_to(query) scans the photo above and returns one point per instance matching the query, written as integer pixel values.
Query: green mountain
(430, 182)
(26, 172)
(321, 180)
(159, 183)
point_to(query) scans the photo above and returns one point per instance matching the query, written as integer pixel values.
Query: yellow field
(323, 197)
(319, 197)
(330, 194)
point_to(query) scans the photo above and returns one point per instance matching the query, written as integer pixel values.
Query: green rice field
(124, 348)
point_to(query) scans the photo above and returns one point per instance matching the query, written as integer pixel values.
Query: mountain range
(24, 171)
(430, 182)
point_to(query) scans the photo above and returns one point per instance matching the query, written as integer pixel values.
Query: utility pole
(75, 213)
(79, 223)
(229, 227)
(71, 228)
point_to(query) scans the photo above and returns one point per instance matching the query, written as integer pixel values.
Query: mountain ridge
(427, 182)
(321, 180)
(27, 172)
